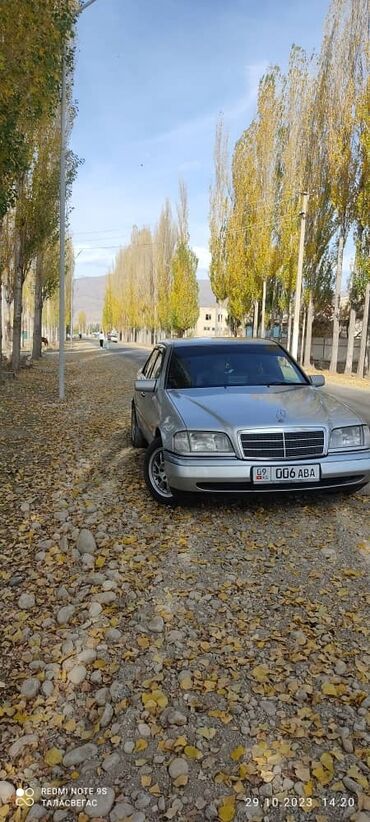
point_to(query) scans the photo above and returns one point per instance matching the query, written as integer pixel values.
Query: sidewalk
(172, 662)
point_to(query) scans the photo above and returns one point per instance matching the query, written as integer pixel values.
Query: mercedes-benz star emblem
(280, 414)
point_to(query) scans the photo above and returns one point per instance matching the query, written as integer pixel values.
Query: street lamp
(62, 206)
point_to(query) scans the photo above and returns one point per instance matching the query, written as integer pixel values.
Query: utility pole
(62, 224)
(62, 211)
(298, 290)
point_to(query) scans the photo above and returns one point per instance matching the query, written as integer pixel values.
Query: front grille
(282, 445)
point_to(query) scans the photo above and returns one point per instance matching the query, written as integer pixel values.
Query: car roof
(209, 341)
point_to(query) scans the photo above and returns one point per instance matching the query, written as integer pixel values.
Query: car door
(146, 404)
(151, 402)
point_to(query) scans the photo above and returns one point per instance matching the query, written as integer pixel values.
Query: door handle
(142, 394)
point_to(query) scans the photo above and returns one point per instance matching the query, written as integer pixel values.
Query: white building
(212, 315)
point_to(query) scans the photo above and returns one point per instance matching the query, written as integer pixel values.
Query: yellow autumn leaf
(327, 760)
(145, 781)
(206, 732)
(160, 698)
(260, 673)
(53, 756)
(220, 778)
(185, 683)
(155, 790)
(70, 725)
(356, 774)
(267, 776)
(302, 772)
(237, 753)
(246, 769)
(222, 715)
(322, 776)
(226, 811)
(141, 744)
(329, 689)
(181, 780)
(100, 561)
(192, 753)
(4, 810)
(143, 642)
(180, 742)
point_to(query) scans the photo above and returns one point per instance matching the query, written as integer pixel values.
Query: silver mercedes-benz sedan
(240, 416)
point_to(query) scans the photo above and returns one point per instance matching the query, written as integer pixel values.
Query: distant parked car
(241, 416)
(112, 336)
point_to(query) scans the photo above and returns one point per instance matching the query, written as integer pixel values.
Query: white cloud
(253, 74)
(93, 254)
(92, 260)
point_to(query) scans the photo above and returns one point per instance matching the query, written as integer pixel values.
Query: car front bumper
(213, 474)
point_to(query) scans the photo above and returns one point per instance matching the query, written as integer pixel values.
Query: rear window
(227, 365)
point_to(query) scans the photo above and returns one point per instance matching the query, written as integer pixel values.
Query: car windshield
(230, 365)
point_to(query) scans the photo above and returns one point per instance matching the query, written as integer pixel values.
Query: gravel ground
(207, 662)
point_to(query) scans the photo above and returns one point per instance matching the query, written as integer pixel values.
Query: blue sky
(151, 78)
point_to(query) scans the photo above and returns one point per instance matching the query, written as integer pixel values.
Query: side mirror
(145, 386)
(317, 380)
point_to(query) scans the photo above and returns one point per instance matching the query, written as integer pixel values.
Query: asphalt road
(356, 398)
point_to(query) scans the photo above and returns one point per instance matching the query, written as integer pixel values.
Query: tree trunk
(336, 306)
(263, 310)
(350, 341)
(309, 321)
(8, 325)
(17, 309)
(255, 319)
(301, 356)
(289, 326)
(1, 324)
(37, 330)
(365, 323)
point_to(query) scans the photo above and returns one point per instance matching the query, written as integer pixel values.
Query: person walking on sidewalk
(101, 339)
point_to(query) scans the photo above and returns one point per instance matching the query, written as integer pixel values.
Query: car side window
(157, 366)
(149, 363)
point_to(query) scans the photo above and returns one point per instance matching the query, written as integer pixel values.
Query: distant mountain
(89, 297)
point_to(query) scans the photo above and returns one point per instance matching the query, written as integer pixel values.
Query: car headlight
(352, 436)
(192, 442)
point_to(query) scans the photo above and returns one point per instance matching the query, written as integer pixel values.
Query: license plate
(268, 474)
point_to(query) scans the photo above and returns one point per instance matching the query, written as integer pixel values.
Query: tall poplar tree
(165, 236)
(219, 215)
(342, 78)
(184, 304)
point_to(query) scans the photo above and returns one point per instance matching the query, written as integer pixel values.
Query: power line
(294, 196)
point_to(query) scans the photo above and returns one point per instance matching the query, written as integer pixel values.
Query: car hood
(260, 407)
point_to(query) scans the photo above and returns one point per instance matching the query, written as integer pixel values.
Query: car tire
(137, 439)
(155, 476)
